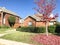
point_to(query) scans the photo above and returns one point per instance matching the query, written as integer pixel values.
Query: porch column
(1, 18)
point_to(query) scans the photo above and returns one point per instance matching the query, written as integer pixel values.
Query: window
(51, 23)
(29, 23)
(21, 20)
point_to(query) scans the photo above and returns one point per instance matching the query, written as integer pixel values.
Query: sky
(25, 7)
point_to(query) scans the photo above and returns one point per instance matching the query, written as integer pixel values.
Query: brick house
(35, 20)
(5, 14)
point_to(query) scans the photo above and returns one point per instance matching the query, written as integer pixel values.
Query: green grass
(24, 37)
(2, 30)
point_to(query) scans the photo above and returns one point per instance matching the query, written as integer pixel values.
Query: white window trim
(51, 23)
(29, 23)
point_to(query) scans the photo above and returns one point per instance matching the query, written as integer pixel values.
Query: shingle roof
(38, 14)
(7, 11)
(36, 18)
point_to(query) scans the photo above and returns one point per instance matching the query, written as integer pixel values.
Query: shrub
(57, 30)
(32, 29)
(40, 29)
(51, 29)
(26, 29)
(4, 26)
(11, 20)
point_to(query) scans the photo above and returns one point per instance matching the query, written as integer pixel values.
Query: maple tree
(46, 7)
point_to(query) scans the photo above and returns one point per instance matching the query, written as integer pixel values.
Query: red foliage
(47, 40)
(46, 7)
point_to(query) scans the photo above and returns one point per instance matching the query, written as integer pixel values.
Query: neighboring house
(5, 14)
(36, 20)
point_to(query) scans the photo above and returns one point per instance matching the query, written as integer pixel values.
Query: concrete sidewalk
(9, 42)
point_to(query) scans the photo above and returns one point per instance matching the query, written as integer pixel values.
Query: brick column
(1, 18)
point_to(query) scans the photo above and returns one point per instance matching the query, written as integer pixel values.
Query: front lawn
(24, 37)
(2, 30)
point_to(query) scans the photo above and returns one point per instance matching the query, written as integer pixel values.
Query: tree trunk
(47, 28)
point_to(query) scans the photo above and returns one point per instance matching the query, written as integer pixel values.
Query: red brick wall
(38, 24)
(35, 23)
(17, 23)
(26, 21)
(6, 20)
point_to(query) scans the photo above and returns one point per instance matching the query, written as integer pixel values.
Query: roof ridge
(6, 10)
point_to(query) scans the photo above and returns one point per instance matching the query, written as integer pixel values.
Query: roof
(34, 17)
(38, 14)
(37, 17)
(7, 11)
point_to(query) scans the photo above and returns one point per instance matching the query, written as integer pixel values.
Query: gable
(29, 17)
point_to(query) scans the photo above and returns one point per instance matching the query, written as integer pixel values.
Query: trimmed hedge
(4, 26)
(26, 29)
(32, 29)
(51, 29)
(40, 29)
(57, 30)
